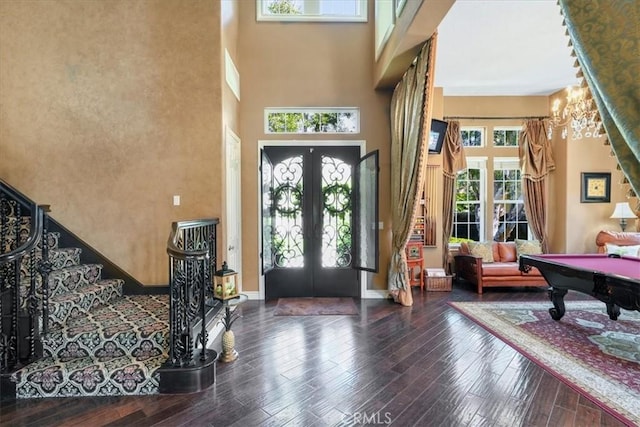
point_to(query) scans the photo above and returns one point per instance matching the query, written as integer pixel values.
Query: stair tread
(73, 277)
(95, 286)
(73, 304)
(59, 258)
(130, 323)
(84, 266)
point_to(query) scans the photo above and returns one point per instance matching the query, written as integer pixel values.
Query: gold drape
(536, 161)
(606, 40)
(453, 161)
(410, 124)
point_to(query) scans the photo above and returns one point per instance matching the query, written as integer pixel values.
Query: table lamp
(622, 212)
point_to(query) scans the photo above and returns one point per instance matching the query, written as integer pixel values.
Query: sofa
(618, 242)
(502, 270)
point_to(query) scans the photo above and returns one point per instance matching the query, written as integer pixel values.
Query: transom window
(312, 10)
(506, 136)
(311, 120)
(472, 137)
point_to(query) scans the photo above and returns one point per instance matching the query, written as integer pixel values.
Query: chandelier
(579, 114)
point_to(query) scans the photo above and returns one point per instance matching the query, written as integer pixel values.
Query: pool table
(613, 279)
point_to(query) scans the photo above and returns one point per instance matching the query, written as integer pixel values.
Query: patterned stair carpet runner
(100, 342)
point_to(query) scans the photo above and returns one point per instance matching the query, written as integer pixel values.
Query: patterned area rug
(315, 307)
(585, 349)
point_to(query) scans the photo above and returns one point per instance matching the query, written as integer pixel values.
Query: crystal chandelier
(578, 113)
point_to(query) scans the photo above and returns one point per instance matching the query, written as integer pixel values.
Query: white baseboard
(376, 294)
(252, 294)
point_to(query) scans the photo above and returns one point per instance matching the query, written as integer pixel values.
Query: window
(509, 218)
(500, 212)
(384, 24)
(312, 10)
(312, 120)
(472, 137)
(506, 136)
(469, 205)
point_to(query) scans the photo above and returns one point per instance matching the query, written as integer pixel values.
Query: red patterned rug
(315, 307)
(585, 349)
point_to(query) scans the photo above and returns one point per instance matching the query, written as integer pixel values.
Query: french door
(319, 220)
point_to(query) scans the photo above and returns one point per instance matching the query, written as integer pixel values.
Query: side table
(229, 353)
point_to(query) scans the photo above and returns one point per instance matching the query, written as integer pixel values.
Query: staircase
(100, 342)
(89, 336)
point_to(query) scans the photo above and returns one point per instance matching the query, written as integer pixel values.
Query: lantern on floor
(225, 285)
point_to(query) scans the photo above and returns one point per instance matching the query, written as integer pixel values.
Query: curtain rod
(496, 118)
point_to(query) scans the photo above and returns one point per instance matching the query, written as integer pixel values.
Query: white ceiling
(503, 47)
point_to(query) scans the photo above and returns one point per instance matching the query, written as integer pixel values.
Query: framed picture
(596, 187)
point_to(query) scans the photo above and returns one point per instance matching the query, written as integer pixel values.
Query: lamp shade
(623, 210)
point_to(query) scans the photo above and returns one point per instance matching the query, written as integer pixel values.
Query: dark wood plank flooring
(425, 365)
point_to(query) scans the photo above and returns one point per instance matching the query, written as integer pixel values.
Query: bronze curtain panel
(410, 119)
(453, 161)
(536, 161)
(606, 40)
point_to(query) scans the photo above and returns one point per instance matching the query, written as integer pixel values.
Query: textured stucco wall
(308, 64)
(108, 109)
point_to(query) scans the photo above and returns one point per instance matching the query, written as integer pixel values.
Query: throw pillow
(482, 249)
(528, 247)
(633, 250)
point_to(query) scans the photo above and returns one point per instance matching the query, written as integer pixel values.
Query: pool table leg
(613, 311)
(557, 298)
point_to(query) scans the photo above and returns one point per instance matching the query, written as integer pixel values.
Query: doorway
(233, 202)
(310, 221)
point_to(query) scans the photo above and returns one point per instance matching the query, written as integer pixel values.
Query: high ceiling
(503, 47)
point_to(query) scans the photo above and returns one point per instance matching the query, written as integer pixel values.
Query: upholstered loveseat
(501, 270)
(622, 243)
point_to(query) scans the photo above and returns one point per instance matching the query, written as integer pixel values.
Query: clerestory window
(311, 120)
(472, 137)
(312, 10)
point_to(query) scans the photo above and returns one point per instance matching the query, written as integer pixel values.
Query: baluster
(15, 343)
(44, 269)
(204, 284)
(4, 349)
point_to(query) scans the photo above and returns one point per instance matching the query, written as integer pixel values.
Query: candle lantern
(225, 284)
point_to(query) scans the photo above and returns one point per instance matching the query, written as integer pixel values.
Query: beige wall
(230, 109)
(577, 224)
(307, 65)
(108, 109)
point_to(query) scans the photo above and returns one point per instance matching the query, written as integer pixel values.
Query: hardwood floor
(425, 365)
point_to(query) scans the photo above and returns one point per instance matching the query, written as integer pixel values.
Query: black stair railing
(24, 254)
(192, 264)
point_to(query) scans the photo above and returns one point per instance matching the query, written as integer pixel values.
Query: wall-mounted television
(436, 135)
